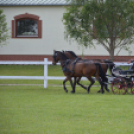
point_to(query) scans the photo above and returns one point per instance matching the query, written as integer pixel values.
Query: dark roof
(32, 2)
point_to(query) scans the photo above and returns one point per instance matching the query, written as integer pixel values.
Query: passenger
(131, 61)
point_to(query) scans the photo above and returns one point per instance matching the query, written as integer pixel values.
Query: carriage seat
(118, 71)
(127, 72)
(130, 71)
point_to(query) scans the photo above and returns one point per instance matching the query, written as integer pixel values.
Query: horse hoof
(72, 91)
(66, 91)
(108, 90)
(102, 92)
(98, 91)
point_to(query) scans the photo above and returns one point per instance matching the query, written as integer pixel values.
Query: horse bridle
(55, 56)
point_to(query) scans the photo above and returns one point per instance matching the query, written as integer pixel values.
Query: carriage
(123, 80)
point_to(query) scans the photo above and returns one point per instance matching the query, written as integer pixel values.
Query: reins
(65, 69)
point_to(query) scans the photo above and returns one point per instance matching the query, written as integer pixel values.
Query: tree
(3, 29)
(109, 22)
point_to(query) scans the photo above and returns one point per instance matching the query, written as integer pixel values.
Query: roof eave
(34, 5)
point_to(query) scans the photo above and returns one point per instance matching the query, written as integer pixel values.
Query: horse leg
(66, 79)
(101, 83)
(78, 82)
(106, 85)
(99, 80)
(73, 85)
(92, 82)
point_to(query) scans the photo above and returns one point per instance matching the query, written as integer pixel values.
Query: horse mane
(62, 55)
(72, 53)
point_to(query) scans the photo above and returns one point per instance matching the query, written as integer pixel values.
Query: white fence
(45, 77)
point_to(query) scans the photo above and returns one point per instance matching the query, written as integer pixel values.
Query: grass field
(35, 110)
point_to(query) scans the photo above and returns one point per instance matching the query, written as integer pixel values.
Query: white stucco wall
(52, 34)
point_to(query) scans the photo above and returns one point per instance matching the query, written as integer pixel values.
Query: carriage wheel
(119, 86)
(132, 87)
(129, 87)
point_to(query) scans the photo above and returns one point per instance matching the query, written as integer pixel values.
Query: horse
(72, 68)
(104, 63)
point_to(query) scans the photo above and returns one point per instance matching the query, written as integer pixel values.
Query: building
(44, 19)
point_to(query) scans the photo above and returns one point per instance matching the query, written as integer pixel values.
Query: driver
(131, 61)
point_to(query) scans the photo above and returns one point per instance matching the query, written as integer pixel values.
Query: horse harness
(65, 69)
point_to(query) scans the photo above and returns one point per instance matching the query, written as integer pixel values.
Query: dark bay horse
(104, 63)
(78, 69)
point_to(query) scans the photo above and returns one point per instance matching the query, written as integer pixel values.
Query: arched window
(26, 26)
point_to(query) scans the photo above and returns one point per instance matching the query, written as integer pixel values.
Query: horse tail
(110, 65)
(102, 73)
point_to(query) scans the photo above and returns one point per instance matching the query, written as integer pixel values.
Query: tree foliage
(109, 22)
(3, 29)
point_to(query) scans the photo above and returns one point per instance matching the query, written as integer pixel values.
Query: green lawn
(35, 110)
(30, 70)
(31, 109)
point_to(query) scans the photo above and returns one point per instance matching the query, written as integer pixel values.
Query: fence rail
(45, 77)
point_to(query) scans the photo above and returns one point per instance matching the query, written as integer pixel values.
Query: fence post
(45, 72)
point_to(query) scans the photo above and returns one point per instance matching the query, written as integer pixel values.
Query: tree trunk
(111, 53)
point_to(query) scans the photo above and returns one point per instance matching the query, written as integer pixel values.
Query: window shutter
(40, 29)
(13, 30)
